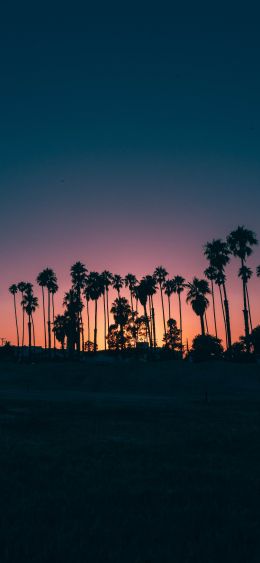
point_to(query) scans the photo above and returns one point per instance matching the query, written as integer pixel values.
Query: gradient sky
(128, 139)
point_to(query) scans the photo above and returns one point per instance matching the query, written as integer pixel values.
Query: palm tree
(142, 294)
(245, 274)
(196, 296)
(78, 274)
(151, 288)
(130, 282)
(211, 274)
(117, 283)
(95, 288)
(29, 304)
(168, 290)
(240, 243)
(217, 253)
(160, 275)
(53, 287)
(59, 329)
(73, 309)
(42, 280)
(178, 284)
(103, 286)
(21, 287)
(13, 290)
(121, 311)
(107, 278)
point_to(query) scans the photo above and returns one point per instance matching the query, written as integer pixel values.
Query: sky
(129, 138)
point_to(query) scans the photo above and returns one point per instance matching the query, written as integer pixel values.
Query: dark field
(130, 463)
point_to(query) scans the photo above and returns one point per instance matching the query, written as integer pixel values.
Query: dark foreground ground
(130, 463)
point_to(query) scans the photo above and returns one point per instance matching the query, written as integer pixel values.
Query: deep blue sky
(147, 113)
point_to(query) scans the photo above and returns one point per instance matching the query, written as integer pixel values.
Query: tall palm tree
(151, 289)
(78, 274)
(13, 289)
(95, 287)
(53, 287)
(240, 243)
(178, 285)
(59, 329)
(245, 274)
(73, 309)
(197, 297)
(160, 275)
(117, 283)
(211, 274)
(108, 279)
(103, 289)
(29, 304)
(21, 287)
(217, 253)
(131, 282)
(142, 294)
(121, 311)
(168, 290)
(42, 281)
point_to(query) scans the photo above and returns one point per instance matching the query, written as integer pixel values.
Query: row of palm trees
(93, 286)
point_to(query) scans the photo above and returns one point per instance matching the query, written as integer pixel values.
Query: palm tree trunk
(107, 312)
(153, 321)
(105, 320)
(23, 324)
(49, 320)
(29, 334)
(33, 331)
(164, 323)
(223, 313)
(53, 318)
(44, 318)
(136, 305)
(150, 318)
(214, 308)
(169, 306)
(202, 325)
(16, 322)
(206, 322)
(245, 311)
(179, 298)
(249, 309)
(95, 329)
(131, 301)
(88, 324)
(226, 306)
(148, 326)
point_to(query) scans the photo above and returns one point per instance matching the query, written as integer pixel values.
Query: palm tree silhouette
(151, 288)
(59, 329)
(168, 290)
(73, 309)
(245, 274)
(240, 243)
(196, 296)
(95, 288)
(107, 279)
(29, 304)
(53, 287)
(13, 290)
(121, 311)
(211, 275)
(178, 285)
(78, 274)
(42, 280)
(142, 294)
(160, 275)
(117, 283)
(218, 254)
(131, 282)
(22, 287)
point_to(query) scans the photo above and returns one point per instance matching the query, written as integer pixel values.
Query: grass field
(130, 463)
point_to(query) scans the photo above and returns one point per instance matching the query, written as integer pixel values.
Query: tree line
(134, 319)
